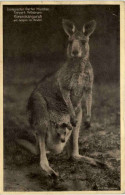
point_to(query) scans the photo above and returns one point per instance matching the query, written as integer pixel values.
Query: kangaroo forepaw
(87, 124)
(73, 122)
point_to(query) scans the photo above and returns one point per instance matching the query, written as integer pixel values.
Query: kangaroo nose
(75, 53)
(62, 140)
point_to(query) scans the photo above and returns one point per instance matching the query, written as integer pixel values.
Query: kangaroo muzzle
(76, 50)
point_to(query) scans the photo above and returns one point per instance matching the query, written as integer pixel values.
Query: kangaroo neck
(77, 63)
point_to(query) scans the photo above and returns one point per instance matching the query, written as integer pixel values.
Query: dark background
(31, 46)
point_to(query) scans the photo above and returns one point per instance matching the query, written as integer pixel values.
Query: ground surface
(101, 141)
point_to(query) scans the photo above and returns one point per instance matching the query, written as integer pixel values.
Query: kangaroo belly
(81, 82)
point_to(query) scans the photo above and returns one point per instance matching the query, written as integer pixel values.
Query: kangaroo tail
(28, 146)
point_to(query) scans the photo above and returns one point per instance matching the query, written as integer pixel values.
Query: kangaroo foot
(88, 160)
(49, 171)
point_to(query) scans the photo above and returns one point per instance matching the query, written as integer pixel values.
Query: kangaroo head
(78, 46)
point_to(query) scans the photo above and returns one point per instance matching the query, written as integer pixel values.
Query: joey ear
(89, 28)
(69, 127)
(68, 27)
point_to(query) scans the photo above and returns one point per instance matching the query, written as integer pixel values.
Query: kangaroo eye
(70, 41)
(58, 134)
(57, 126)
(83, 42)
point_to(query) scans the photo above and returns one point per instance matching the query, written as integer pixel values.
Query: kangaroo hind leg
(44, 164)
(73, 145)
(40, 123)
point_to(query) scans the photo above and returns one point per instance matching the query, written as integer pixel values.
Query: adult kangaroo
(55, 110)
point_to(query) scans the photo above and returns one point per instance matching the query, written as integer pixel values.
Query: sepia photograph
(61, 97)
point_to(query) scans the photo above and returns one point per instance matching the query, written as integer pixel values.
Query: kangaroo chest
(77, 83)
(80, 83)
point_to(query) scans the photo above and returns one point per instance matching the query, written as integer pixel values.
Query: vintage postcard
(62, 97)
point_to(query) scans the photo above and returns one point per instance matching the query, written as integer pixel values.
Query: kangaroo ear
(68, 27)
(89, 28)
